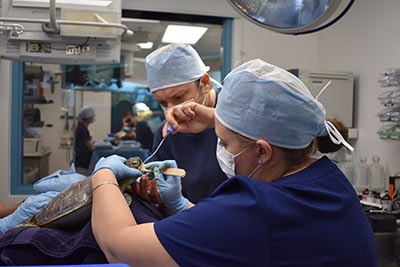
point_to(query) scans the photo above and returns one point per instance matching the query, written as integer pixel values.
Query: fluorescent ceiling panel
(183, 34)
(147, 45)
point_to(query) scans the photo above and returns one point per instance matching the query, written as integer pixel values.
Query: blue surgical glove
(117, 165)
(57, 181)
(26, 210)
(170, 187)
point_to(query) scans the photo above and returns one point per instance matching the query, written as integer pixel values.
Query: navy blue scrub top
(310, 218)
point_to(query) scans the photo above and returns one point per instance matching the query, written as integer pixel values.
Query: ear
(264, 151)
(206, 85)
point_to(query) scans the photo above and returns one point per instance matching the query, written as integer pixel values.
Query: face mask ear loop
(216, 82)
(258, 166)
(335, 136)
(338, 139)
(323, 89)
(204, 96)
(198, 91)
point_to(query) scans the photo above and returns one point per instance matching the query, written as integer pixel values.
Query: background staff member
(83, 146)
(135, 127)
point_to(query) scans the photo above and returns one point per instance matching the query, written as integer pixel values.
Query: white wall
(51, 114)
(5, 94)
(365, 42)
(287, 51)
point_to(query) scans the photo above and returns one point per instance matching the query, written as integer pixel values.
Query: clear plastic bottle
(370, 197)
(386, 202)
(377, 181)
(347, 167)
(363, 178)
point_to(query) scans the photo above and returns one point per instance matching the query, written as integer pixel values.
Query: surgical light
(183, 34)
(292, 16)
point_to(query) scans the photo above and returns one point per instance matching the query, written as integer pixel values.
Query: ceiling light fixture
(147, 45)
(183, 34)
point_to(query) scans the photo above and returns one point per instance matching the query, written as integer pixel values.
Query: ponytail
(325, 144)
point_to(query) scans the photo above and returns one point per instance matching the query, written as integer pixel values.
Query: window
(47, 98)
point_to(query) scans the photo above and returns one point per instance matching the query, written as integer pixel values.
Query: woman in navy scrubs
(281, 207)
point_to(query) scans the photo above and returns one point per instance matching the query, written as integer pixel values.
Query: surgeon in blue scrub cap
(281, 207)
(173, 65)
(176, 75)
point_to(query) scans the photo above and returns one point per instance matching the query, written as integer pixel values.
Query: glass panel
(283, 13)
(54, 95)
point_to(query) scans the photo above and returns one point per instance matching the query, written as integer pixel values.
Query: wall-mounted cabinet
(337, 98)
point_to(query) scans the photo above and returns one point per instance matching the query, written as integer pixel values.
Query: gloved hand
(26, 210)
(170, 187)
(117, 165)
(57, 181)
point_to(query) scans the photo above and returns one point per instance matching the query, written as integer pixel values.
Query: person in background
(128, 128)
(142, 112)
(144, 135)
(177, 75)
(83, 147)
(135, 127)
(280, 206)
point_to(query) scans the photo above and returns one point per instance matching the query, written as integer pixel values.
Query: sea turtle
(72, 206)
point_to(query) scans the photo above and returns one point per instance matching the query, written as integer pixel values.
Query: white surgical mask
(226, 160)
(187, 101)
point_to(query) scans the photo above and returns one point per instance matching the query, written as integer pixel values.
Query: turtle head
(134, 162)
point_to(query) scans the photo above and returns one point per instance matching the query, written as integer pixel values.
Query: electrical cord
(51, 27)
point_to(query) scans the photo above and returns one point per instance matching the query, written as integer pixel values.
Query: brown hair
(128, 113)
(324, 144)
(297, 156)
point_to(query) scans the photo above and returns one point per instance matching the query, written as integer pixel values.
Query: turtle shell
(70, 207)
(73, 205)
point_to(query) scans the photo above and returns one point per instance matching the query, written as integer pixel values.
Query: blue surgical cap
(262, 101)
(86, 113)
(173, 65)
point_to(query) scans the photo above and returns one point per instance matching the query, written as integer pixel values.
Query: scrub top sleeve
(218, 231)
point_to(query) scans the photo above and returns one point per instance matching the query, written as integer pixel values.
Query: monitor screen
(93, 76)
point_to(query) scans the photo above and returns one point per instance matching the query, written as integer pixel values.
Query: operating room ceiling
(209, 45)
